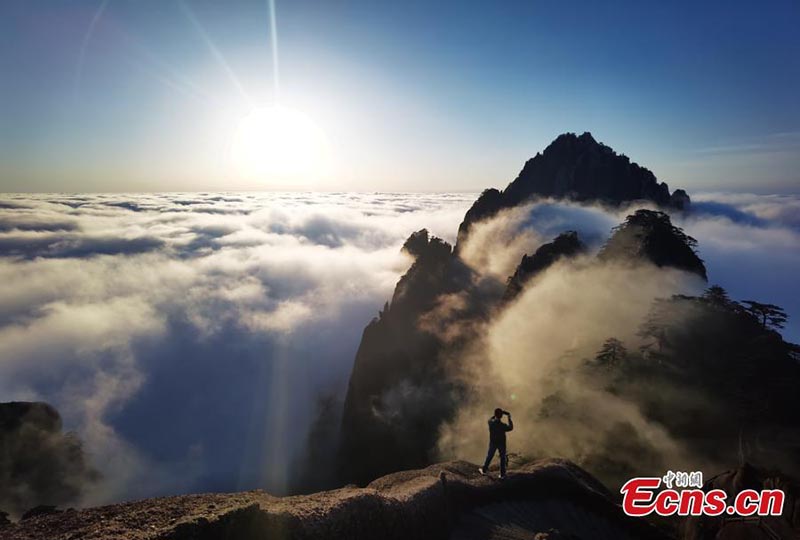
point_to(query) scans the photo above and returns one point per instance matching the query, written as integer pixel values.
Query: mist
(532, 356)
(192, 341)
(186, 338)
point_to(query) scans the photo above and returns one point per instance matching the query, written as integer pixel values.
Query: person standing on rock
(497, 440)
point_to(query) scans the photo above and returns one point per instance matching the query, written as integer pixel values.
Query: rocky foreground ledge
(553, 499)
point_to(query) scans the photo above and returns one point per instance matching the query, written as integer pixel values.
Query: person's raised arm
(510, 422)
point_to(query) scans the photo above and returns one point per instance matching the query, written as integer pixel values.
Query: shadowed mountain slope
(387, 431)
(566, 244)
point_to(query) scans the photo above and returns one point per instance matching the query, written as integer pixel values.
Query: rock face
(551, 498)
(581, 169)
(387, 425)
(565, 245)
(39, 464)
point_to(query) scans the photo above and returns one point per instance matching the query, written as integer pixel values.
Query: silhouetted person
(497, 440)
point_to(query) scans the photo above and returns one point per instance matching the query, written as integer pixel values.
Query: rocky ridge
(549, 498)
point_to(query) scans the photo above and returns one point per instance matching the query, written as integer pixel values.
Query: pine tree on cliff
(770, 316)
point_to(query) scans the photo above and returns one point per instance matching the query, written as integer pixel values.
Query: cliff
(384, 431)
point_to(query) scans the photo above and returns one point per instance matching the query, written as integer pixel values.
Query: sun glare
(279, 145)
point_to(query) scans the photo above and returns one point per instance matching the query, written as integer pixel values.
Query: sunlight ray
(85, 45)
(167, 74)
(273, 28)
(215, 51)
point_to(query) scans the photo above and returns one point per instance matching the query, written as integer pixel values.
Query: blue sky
(411, 96)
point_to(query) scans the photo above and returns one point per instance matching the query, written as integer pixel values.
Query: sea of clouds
(187, 338)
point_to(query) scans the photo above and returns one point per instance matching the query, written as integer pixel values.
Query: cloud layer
(186, 337)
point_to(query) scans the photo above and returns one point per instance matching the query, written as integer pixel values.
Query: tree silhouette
(770, 316)
(717, 296)
(611, 353)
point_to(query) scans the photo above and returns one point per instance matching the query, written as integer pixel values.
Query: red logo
(640, 497)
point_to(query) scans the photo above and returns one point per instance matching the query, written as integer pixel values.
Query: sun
(279, 145)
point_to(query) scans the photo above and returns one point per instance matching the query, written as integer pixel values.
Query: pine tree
(769, 316)
(717, 296)
(612, 353)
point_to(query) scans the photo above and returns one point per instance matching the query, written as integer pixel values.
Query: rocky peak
(566, 244)
(650, 235)
(577, 167)
(420, 286)
(421, 244)
(580, 168)
(680, 200)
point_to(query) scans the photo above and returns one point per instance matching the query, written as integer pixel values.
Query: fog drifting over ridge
(527, 355)
(531, 354)
(186, 337)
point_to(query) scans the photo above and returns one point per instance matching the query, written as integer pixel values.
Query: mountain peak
(577, 168)
(580, 168)
(573, 138)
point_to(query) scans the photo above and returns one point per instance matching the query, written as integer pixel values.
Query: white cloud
(180, 334)
(165, 327)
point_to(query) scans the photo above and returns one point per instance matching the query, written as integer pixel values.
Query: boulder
(39, 463)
